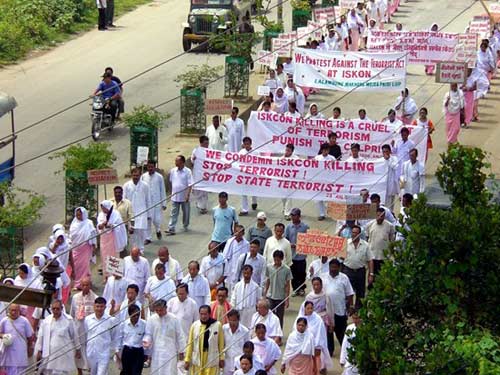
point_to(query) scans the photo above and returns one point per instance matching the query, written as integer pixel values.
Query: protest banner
(218, 106)
(422, 47)
(272, 177)
(282, 47)
(480, 25)
(348, 4)
(451, 72)
(263, 90)
(315, 242)
(315, 30)
(347, 211)
(466, 49)
(102, 176)
(337, 70)
(115, 266)
(266, 58)
(272, 132)
(326, 15)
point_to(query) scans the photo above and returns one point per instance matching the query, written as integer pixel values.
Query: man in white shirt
(323, 156)
(375, 199)
(265, 316)
(136, 270)
(392, 120)
(278, 242)
(182, 181)
(172, 267)
(120, 312)
(402, 148)
(413, 174)
(333, 41)
(245, 296)
(115, 291)
(319, 266)
(292, 111)
(235, 336)
(158, 198)
(217, 135)
(392, 189)
(184, 308)
(159, 286)
(235, 246)
(130, 350)
(137, 192)
(235, 131)
(247, 148)
(254, 259)
(355, 147)
(199, 290)
(101, 338)
(362, 115)
(212, 267)
(380, 232)
(200, 195)
(339, 296)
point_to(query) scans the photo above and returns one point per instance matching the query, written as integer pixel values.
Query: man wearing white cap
(260, 231)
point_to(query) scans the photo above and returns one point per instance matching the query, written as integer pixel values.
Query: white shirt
(318, 268)
(413, 177)
(199, 290)
(137, 272)
(273, 244)
(258, 264)
(269, 351)
(231, 253)
(234, 344)
(392, 176)
(181, 179)
(132, 335)
(217, 138)
(101, 336)
(115, 290)
(235, 133)
(245, 295)
(175, 266)
(271, 321)
(337, 289)
(101, 4)
(212, 268)
(157, 192)
(402, 151)
(320, 157)
(160, 289)
(122, 313)
(141, 202)
(186, 311)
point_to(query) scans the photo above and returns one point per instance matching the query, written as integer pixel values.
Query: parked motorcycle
(101, 116)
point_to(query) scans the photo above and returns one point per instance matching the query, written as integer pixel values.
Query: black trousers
(280, 310)
(132, 361)
(377, 265)
(101, 21)
(110, 12)
(298, 269)
(358, 282)
(340, 322)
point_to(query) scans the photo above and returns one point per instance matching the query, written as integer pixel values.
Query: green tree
(435, 308)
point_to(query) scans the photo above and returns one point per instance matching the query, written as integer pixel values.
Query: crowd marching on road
(224, 313)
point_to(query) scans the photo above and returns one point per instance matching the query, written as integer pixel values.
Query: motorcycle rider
(121, 102)
(111, 92)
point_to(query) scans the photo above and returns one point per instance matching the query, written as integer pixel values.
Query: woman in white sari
(299, 351)
(356, 28)
(313, 113)
(316, 327)
(82, 234)
(280, 104)
(113, 235)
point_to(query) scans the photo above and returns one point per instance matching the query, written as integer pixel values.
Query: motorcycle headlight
(192, 19)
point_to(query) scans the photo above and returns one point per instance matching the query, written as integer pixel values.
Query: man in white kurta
(392, 163)
(173, 268)
(265, 316)
(245, 296)
(136, 270)
(199, 289)
(158, 199)
(115, 291)
(235, 246)
(165, 339)
(235, 131)
(159, 286)
(413, 175)
(184, 308)
(137, 192)
(235, 336)
(402, 148)
(217, 135)
(56, 335)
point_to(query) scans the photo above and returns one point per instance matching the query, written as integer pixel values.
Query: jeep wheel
(186, 43)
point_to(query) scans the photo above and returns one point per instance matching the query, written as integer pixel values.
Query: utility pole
(280, 11)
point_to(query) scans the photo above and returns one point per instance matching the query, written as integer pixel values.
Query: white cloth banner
(272, 177)
(337, 70)
(273, 131)
(422, 47)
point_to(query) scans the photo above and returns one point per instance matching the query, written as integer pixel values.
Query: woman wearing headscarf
(82, 233)
(280, 104)
(355, 25)
(3, 305)
(406, 107)
(475, 88)
(316, 326)
(429, 69)
(113, 235)
(313, 113)
(23, 279)
(453, 103)
(299, 351)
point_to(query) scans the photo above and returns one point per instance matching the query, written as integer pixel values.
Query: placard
(303, 36)
(115, 266)
(315, 30)
(422, 47)
(347, 211)
(451, 72)
(142, 154)
(348, 4)
(102, 176)
(218, 106)
(327, 13)
(480, 25)
(266, 58)
(343, 71)
(466, 49)
(263, 90)
(494, 9)
(319, 243)
(282, 47)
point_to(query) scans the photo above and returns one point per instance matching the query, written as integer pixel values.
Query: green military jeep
(208, 17)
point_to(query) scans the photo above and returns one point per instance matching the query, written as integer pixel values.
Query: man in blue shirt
(110, 90)
(225, 218)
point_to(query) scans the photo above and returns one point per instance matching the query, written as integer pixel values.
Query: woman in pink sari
(113, 236)
(82, 234)
(299, 351)
(355, 25)
(453, 105)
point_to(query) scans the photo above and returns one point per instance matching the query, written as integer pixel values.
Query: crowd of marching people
(225, 312)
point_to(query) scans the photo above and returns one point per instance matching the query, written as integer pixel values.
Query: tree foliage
(198, 76)
(145, 116)
(434, 307)
(21, 207)
(80, 159)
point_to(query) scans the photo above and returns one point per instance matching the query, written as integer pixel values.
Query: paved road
(150, 34)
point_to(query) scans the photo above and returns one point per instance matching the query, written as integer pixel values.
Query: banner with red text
(337, 70)
(273, 177)
(466, 49)
(422, 47)
(273, 131)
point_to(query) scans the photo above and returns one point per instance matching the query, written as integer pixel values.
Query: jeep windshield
(211, 3)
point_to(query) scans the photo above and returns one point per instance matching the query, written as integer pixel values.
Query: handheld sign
(142, 154)
(319, 243)
(218, 106)
(344, 211)
(451, 72)
(115, 266)
(102, 176)
(263, 90)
